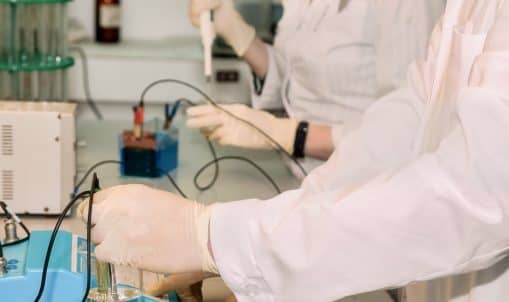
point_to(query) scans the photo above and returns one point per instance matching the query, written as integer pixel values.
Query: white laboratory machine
(37, 155)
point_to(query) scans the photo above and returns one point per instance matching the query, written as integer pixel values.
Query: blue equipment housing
(149, 162)
(66, 279)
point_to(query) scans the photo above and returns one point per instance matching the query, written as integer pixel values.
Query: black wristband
(300, 139)
(258, 84)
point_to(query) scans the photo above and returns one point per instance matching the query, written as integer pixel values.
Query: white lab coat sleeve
(383, 138)
(270, 96)
(444, 213)
(337, 134)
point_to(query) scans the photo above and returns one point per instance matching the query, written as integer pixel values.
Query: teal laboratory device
(66, 280)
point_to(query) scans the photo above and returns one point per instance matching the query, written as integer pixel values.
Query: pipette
(207, 38)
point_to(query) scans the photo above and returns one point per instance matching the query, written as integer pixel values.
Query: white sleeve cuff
(270, 96)
(337, 135)
(231, 240)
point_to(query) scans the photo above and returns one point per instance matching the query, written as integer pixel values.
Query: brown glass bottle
(108, 19)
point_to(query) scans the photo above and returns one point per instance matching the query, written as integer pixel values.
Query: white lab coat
(401, 200)
(333, 58)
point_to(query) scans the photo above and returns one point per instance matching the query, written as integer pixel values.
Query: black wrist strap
(300, 139)
(258, 84)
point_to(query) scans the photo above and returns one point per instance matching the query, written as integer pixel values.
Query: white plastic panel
(34, 171)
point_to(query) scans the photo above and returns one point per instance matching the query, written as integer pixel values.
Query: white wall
(142, 19)
(118, 73)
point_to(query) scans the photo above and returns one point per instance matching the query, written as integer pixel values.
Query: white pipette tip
(207, 37)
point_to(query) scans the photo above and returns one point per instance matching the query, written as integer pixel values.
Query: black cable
(216, 161)
(94, 187)
(86, 82)
(90, 170)
(51, 242)
(240, 158)
(213, 103)
(104, 162)
(9, 215)
(216, 170)
(174, 183)
(214, 156)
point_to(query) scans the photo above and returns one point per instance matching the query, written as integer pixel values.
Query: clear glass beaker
(116, 283)
(5, 86)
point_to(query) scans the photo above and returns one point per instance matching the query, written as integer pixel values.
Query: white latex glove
(228, 130)
(150, 229)
(228, 23)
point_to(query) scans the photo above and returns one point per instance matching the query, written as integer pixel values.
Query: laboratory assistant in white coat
(331, 59)
(418, 191)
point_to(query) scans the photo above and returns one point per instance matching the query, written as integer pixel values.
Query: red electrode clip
(139, 113)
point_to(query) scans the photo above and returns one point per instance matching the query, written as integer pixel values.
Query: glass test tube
(24, 85)
(116, 283)
(4, 33)
(5, 86)
(43, 32)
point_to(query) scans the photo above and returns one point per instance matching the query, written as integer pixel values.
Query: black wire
(214, 156)
(213, 103)
(51, 242)
(3, 205)
(86, 82)
(174, 183)
(216, 161)
(239, 158)
(16, 242)
(94, 187)
(216, 170)
(90, 170)
(104, 162)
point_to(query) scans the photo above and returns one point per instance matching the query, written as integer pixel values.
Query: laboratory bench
(98, 141)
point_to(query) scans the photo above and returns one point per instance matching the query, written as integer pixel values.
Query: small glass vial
(108, 21)
(116, 283)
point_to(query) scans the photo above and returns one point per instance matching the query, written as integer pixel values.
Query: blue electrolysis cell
(141, 162)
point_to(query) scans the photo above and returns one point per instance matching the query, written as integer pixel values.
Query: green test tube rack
(34, 56)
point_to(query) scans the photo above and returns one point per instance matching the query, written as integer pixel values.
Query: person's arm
(325, 245)
(319, 142)
(257, 57)
(355, 238)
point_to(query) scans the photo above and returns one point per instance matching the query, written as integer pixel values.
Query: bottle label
(111, 16)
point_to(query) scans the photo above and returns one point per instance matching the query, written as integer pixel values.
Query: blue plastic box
(149, 162)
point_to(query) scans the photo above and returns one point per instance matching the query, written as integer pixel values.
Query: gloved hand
(182, 283)
(193, 293)
(228, 23)
(150, 229)
(228, 130)
(187, 286)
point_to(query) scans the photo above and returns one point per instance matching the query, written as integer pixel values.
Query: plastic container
(151, 162)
